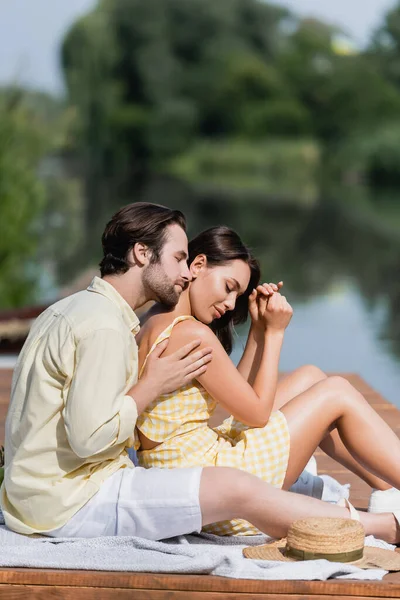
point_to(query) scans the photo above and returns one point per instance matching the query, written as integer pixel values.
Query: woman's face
(214, 290)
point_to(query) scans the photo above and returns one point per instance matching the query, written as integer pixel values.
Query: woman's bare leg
(295, 383)
(334, 402)
(333, 446)
(227, 493)
(301, 380)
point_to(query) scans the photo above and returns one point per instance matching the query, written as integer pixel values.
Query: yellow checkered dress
(180, 422)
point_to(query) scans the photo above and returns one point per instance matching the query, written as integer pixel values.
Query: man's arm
(97, 413)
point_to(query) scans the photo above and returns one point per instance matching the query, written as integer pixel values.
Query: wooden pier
(46, 584)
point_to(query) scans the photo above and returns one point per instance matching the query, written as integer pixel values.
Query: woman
(273, 444)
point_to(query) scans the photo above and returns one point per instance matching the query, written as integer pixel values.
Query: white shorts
(150, 503)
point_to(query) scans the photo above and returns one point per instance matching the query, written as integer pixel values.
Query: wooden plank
(146, 581)
(38, 593)
(209, 583)
(16, 583)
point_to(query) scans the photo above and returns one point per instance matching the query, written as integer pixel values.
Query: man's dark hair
(139, 222)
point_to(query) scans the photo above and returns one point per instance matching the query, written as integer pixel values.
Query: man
(75, 399)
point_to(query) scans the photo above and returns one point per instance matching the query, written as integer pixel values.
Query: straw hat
(337, 540)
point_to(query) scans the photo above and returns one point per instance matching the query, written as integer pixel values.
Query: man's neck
(129, 286)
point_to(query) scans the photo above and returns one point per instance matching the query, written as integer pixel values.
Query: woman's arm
(251, 358)
(251, 404)
(250, 362)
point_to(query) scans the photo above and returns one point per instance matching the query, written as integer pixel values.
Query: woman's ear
(140, 254)
(198, 265)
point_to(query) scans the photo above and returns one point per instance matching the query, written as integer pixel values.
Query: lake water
(342, 277)
(339, 259)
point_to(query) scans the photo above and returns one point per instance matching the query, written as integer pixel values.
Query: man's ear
(140, 254)
(198, 265)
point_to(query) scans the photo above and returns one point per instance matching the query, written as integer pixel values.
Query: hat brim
(374, 558)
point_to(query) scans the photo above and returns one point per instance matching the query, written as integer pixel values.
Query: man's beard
(157, 284)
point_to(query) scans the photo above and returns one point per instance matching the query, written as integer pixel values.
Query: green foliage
(279, 118)
(152, 79)
(171, 129)
(358, 98)
(237, 94)
(34, 130)
(149, 78)
(284, 169)
(21, 196)
(372, 157)
(259, 101)
(384, 49)
(342, 93)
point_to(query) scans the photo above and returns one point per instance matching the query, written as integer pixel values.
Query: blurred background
(279, 119)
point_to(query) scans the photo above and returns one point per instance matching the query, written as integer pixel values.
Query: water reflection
(339, 260)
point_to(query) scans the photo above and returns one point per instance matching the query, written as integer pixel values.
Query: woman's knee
(338, 383)
(328, 396)
(309, 375)
(340, 390)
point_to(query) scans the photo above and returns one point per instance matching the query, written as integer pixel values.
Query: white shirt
(70, 417)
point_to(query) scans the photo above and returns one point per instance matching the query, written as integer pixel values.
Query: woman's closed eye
(229, 290)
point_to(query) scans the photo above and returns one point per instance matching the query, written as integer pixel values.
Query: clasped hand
(269, 310)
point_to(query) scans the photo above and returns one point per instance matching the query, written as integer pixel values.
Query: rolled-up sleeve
(98, 414)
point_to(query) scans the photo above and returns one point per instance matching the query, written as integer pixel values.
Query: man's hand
(163, 375)
(178, 369)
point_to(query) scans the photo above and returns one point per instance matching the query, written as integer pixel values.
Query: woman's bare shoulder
(190, 329)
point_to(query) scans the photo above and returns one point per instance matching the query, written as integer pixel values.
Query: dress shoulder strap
(164, 335)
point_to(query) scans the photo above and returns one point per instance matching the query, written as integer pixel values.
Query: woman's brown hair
(221, 245)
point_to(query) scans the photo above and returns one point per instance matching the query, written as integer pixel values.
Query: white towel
(199, 554)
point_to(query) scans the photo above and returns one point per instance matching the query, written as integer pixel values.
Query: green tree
(21, 197)
(260, 102)
(151, 80)
(384, 48)
(342, 93)
(146, 78)
(34, 136)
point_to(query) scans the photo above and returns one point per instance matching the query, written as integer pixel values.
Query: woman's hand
(265, 290)
(274, 311)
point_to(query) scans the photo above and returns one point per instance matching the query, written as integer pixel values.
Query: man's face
(166, 279)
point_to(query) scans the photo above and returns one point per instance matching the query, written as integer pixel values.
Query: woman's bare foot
(384, 526)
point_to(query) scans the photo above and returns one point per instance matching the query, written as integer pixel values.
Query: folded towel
(199, 554)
